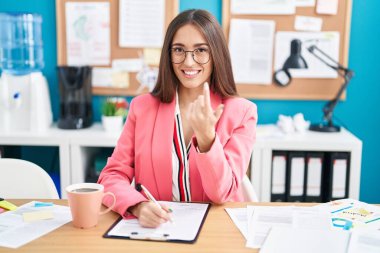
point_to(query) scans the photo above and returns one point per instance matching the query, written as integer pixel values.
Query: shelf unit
(78, 147)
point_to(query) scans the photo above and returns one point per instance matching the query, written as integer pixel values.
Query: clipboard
(188, 219)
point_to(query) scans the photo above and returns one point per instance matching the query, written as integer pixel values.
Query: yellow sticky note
(152, 56)
(39, 215)
(120, 79)
(7, 205)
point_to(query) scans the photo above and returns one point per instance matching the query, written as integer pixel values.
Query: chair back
(248, 190)
(20, 179)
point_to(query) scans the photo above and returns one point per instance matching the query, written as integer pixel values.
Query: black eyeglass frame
(192, 55)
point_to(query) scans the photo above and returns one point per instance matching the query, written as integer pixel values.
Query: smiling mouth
(191, 73)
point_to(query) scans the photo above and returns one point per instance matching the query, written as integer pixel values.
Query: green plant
(114, 106)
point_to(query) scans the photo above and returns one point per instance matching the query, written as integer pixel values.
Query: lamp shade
(295, 60)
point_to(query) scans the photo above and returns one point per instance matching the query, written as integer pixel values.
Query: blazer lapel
(162, 149)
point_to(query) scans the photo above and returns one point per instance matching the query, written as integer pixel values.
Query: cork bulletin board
(117, 52)
(299, 88)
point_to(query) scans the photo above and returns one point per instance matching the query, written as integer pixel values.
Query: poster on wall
(88, 33)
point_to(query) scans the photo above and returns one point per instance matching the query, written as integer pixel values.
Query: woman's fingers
(206, 96)
(152, 216)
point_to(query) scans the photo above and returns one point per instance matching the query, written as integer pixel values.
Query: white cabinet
(78, 147)
(270, 139)
(54, 138)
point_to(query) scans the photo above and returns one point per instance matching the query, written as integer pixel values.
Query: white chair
(20, 179)
(248, 190)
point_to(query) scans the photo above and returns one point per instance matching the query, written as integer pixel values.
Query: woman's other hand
(203, 118)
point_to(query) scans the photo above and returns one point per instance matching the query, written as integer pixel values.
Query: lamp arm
(346, 73)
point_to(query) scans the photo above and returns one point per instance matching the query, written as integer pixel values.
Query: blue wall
(360, 113)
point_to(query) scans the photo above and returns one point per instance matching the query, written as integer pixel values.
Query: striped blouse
(180, 160)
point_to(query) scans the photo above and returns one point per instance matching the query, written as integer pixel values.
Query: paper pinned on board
(101, 77)
(251, 48)
(305, 3)
(306, 23)
(88, 33)
(329, 7)
(263, 7)
(141, 23)
(152, 56)
(326, 41)
(129, 65)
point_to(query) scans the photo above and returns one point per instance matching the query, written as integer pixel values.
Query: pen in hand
(140, 187)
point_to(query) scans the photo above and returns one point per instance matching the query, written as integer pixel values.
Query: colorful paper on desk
(14, 232)
(353, 214)
(7, 205)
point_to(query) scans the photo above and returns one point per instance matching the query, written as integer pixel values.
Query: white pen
(140, 187)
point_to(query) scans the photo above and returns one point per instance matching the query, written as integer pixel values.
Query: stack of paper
(346, 226)
(29, 222)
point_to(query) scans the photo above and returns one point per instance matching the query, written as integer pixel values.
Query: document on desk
(348, 214)
(188, 219)
(240, 218)
(261, 219)
(15, 231)
(296, 240)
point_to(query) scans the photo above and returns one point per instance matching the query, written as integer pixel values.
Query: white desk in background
(78, 147)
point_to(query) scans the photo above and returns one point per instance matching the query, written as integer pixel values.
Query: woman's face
(192, 69)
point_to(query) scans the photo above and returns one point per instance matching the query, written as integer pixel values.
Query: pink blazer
(144, 151)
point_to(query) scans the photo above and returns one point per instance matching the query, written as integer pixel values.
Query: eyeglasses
(200, 55)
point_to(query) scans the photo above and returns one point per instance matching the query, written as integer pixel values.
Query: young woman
(191, 138)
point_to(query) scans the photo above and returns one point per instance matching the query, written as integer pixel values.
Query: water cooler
(24, 94)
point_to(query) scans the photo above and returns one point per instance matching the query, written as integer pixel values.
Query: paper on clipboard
(187, 219)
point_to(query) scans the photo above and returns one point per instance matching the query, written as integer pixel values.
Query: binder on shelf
(296, 177)
(337, 178)
(314, 170)
(278, 187)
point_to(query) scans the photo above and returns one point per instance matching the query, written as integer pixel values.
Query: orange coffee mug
(85, 201)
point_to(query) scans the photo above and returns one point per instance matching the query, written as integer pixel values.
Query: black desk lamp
(295, 61)
(283, 78)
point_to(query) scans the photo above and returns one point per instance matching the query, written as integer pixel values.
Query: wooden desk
(219, 234)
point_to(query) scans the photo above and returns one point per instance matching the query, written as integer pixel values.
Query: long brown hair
(221, 81)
